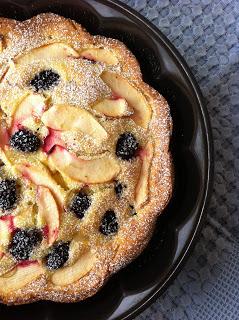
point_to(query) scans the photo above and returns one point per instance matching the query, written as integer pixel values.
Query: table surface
(206, 33)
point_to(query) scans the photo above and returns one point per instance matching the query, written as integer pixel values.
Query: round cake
(85, 167)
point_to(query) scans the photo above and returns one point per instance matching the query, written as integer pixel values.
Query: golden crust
(126, 245)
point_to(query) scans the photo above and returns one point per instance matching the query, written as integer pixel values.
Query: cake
(85, 166)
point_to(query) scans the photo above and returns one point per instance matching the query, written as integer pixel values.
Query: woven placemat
(206, 33)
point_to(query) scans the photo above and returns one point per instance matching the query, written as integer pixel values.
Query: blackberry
(25, 141)
(80, 204)
(45, 80)
(119, 188)
(109, 224)
(58, 256)
(132, 210)
(23, 242)
(8, 194)
(126, 146)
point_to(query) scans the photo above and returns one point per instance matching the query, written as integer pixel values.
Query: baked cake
(85, 164)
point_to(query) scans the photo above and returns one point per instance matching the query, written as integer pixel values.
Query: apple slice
(113, 107)
(73, 273)
(101, 55)
(53, 138)
(142, 188)
(88, 171)
(40, 176)
(7, 264)
(136, 100)
(6, 226)
(57, 50)
(4, 157)
(25, 218)
(32, 105)
(19, 277)
(65, 117)
(48, 213)
(4, 136)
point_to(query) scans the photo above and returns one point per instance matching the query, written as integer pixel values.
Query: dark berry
(126, 146)
(89, 60)
(132, 210)
(45, 80)
(80, 204)
(25, 141)
(119, 188)
(23, 242)
(8, 194)
(58, 256)
(109, 224)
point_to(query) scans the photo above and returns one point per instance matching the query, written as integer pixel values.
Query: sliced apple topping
(40, 176)
(136, 100)
(19, 277)
(4, 136)
(1, 253)
(142, 188)
(101, 55)
(113, 107)
(7, 264)
(75, 272)
(53, 138)
(65, 117)
(6, 226)
(4, 156)
(32, 105)
(48, 213)
(56, 50)
(97, 170)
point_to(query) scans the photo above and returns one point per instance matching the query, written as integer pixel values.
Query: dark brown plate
(134, 288)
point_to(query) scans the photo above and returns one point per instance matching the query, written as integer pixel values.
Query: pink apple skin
(50, 234)
(16, 126)
(115, 96)
(142, 153)
(53, 138)
(9, 220)
(27, 263)
(25, 173)
(45, 231)
(1, 255)
(88, 56)
(4, 137)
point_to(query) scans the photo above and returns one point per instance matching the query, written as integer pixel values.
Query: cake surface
(85, 167)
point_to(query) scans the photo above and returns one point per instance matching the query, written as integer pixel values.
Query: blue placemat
(206, 32)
